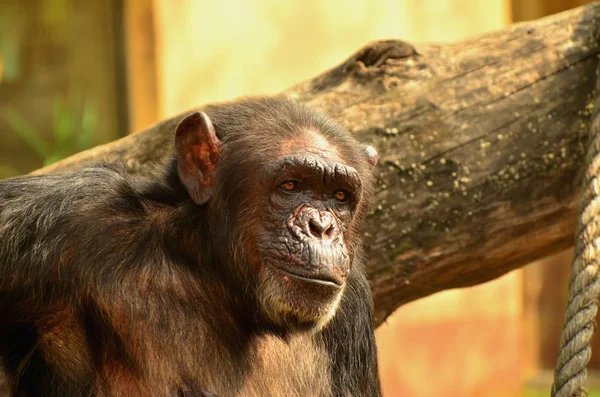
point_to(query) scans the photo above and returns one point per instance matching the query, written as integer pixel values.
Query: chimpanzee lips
(309, 261)
(323, 279)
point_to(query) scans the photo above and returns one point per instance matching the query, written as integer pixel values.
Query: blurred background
(77, 73)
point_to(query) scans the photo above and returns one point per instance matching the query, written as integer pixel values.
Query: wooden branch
(481, 144)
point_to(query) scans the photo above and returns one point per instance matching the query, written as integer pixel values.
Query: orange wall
(465, 343)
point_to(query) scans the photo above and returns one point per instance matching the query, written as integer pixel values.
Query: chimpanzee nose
(321, 226)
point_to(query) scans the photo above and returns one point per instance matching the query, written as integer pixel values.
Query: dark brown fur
(116, 285)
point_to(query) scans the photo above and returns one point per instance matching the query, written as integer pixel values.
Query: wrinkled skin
(302, 239)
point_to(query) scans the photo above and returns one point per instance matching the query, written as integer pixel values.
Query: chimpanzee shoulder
(41, 216)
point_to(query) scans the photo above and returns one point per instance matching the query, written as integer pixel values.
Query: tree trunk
(481, 146)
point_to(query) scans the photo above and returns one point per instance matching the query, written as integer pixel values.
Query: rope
(584, 287)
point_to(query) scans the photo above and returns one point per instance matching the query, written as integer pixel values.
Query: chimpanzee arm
(65, 242)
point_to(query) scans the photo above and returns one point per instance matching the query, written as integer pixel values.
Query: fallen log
(481, 145)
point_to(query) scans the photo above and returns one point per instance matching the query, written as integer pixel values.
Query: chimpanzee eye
(341, 195)
(289, 186)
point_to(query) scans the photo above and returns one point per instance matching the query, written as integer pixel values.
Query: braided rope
(575, 351)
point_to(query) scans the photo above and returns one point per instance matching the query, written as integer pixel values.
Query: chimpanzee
(235, 269)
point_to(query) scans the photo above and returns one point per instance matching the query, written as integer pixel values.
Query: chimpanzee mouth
(322, 279)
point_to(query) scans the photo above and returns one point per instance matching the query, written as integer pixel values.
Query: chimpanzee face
(285, 202)
(301, 236)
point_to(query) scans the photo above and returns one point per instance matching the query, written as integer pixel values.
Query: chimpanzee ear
(198, 149)
(372, 155)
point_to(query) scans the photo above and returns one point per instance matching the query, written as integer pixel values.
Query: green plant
(7, 171)
(73, 129)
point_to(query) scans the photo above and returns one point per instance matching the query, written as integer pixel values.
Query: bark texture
(481, 145)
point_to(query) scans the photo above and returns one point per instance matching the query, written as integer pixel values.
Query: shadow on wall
(461, 343)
